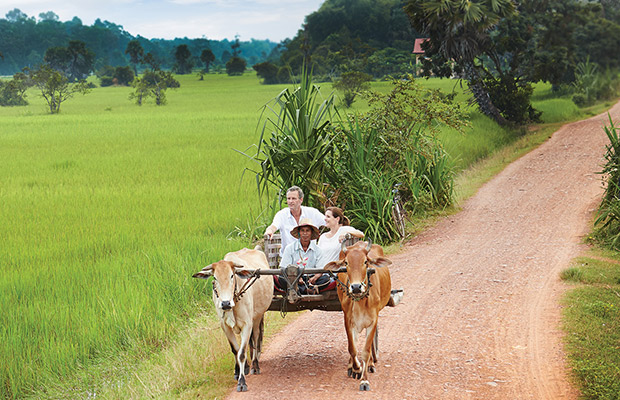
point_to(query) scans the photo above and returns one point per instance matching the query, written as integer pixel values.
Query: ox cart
(292, 299)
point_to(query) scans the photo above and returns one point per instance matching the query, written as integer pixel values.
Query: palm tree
(459, 32)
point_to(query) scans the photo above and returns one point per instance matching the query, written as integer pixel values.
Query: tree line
(500, 47)
(25, 41)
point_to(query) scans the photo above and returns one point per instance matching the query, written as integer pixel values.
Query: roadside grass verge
(591, 320)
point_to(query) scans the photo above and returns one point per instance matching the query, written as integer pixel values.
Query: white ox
(241, 299)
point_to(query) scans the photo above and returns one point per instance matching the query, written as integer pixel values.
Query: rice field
(108, 208)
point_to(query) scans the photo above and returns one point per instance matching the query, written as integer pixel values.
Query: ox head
(224, 282)
(357, 259)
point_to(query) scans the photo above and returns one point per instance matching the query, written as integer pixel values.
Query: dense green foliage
(372, 36)
(501, 47)
(608, 220)
(294, 144)
(356, 163)
(25, 41)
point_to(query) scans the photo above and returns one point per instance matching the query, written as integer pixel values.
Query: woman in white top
(330, 242)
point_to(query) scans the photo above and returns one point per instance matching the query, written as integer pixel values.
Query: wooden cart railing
(292, 300)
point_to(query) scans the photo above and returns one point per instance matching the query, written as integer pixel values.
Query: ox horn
(369, 245)
(343, 247)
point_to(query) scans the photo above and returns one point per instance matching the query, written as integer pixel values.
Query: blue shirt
(295, 254)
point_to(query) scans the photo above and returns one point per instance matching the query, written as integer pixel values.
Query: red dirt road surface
(480, 317)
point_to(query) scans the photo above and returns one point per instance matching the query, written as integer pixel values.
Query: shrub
(235, 66)
(294, 143)
(608, 219)
(352, 83)
(13, 92)
(123, 75)
(513, 99)
(106, 81)
(268, 71)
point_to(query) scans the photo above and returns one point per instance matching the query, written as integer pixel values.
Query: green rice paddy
(108, 208)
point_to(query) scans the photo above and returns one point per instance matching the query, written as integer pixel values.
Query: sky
(275, 20)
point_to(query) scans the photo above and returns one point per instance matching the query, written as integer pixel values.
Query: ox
(241, 299)
(362, 295)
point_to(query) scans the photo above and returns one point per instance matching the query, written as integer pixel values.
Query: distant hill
(24, 41)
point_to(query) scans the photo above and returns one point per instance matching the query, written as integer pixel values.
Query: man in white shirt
(288, 218)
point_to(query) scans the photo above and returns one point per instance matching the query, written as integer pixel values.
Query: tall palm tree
(459, 32)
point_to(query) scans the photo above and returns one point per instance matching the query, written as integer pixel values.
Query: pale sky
(167, 19)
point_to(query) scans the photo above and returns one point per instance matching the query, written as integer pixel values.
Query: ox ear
(243, 273)
(204, 273)
(380, 262)
(331, 266)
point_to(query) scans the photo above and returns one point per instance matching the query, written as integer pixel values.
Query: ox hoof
(353, 374)
(242, 388)
(364, 386)
(255, 371)
(371, 368)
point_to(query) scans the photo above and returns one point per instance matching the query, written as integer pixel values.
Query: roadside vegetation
(592, 308)
(107, 212)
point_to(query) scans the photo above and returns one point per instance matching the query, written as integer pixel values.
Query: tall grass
(106, 211)
(108, 208)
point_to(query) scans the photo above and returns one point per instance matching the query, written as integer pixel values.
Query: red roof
(417, 45)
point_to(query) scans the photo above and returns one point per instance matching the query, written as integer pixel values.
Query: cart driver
(305, 253)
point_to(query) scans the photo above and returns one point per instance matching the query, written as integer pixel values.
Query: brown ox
(241, 299)
(362, 296)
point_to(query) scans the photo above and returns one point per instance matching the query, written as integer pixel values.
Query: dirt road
(481, 313)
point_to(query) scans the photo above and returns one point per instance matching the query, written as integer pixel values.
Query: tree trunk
(481, 96)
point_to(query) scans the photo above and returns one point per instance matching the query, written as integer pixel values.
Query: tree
(75, 61)
(58, 58)
(183, 59)
(268, 71)
(123, 75)
(136, 54)
(55, 87)
(153, 84)
(236, 47)
(352, 83)
(16, 15)
(13, 92)
(458, 35)
(48, 16)
(207, 57)
(81, 61)
(235, 66)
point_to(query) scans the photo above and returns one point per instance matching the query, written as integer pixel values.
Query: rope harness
(248, 283)
(345, 287)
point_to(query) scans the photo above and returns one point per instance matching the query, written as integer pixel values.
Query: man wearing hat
(304, 252)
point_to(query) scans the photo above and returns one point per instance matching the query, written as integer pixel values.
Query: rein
(237, 295)
(248, 283)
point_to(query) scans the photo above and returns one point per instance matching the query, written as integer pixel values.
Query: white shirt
(330, 246)
(285, 222)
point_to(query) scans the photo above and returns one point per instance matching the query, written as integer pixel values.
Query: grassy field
(108, 208)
